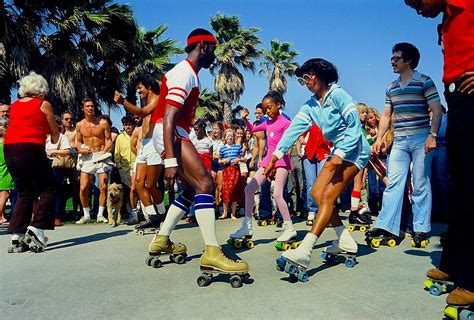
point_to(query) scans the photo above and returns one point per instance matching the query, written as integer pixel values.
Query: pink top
(274, 130)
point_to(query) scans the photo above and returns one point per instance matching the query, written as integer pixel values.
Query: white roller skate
(287, 239)
(35, 238)
(18, 244)
(295, 262)
(343, 250)
(242, 236)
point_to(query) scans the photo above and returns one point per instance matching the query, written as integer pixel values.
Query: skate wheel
(436, 289)
(391, 243)
(466, 315)
(141, 232)
(412, 243)
(363, 228)
(179, 259)
(230, 242)
(428, 283)
(171, 257)
(263, 224)
(324, 256)
(295, 245)
(10, 250)
(156, 263)
(375, 242)
(272, 222)
(303, 277)
(238, 244)
(291, 269)
(286, 247)
(349, 263)
(235, 281)
(281, 262)
(351, 228)
(148, 260)
(451, 312)
(204, 280)
(424, 243)
(250, 244)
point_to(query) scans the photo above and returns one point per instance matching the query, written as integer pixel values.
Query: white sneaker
(245, 230)
(101, 219)
(299, 256)
(83, 220)
(310, 219)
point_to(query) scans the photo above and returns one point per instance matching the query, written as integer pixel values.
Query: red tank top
(27, 123)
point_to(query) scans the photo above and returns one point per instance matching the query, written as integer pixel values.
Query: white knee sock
(161, 207)
(101, 212)
(308, 242)
(345, 239)
(175, 213)
(205, 217)
(87, 212)
(150, 210)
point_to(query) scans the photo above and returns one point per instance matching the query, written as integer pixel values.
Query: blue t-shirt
(230, 152)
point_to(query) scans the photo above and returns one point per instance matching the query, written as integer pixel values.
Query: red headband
(201, 37)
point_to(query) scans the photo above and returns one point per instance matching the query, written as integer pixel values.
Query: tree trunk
(227, 113)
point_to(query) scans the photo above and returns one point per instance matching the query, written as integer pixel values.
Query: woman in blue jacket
(334, 111)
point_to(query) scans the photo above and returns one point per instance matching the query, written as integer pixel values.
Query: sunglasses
(304, 79)
(67, 119)
(395, 58)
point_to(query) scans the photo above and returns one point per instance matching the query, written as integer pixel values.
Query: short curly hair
(324, 69)
(32, 85)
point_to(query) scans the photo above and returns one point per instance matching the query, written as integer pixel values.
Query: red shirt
(316, 144)
(27, 123)
(458, 39)
(179, 88)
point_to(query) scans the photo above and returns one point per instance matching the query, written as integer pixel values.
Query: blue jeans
(407, 150)
(439, 182)
(311, 171)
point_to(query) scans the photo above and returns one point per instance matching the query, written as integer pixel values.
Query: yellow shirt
(123, 155)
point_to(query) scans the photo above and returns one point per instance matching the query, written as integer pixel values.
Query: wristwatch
(434, 134)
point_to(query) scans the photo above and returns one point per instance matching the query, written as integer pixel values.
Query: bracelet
(171, 163)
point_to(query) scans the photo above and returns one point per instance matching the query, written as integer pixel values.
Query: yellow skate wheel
(375, 242)
(286, 247)
(424, 243)
(412, 243)
(351, 228)
(250, 244)
(451, 312)
(362, 229)
(264, 223)
(238, 244)
(272, 222)
(428, 283)
(391, 243)
(295, 245)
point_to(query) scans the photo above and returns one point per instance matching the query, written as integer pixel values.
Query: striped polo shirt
(230, 152)
(409, 104)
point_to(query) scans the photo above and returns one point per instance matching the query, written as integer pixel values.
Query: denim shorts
(359, 156)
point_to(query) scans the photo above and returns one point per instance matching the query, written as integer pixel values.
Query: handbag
(67, 162)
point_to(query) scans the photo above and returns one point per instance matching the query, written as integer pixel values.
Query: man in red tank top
(94, 143)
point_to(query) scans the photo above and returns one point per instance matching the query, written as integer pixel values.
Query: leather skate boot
(344, 245)
(245, 230)
(289, 233)
(460, 297)
(302, 254)
(437, 274)
(214, 259)
(163, 244)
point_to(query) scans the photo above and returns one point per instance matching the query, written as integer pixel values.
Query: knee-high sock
(250, 189)
(280, 181)
(355, 199)
(175, 213)
(205, 217)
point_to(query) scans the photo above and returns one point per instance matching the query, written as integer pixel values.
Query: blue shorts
(359, 156)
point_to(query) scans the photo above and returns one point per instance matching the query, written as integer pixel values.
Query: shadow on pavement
(434, 255)
(86, 239)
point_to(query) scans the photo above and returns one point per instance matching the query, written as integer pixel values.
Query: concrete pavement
(96, 272)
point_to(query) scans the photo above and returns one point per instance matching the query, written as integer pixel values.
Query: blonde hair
(361, 107)
(32, 85)
(231, 131)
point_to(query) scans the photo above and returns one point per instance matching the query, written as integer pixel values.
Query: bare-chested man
(94, 143)
(149, 162)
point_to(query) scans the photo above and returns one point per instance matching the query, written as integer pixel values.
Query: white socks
(172, 218)
(101, 212)
(87, 213)
(308, 242)
(150, 210)
(161, 207)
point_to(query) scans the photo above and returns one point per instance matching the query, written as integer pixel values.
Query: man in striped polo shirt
(408, 101)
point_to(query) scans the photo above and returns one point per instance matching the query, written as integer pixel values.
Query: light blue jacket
(337, 118)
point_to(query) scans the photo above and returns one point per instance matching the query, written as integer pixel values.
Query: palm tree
(209, 108)
(278, 62)
(237, 47)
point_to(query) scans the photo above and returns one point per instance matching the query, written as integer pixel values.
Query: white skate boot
(342, 250)
(243, 235)
(295, 262)
(35, 238)
(289, 233)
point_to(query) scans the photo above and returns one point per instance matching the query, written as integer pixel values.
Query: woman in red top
(31, 119)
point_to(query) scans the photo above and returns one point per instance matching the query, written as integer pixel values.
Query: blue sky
(355, 35)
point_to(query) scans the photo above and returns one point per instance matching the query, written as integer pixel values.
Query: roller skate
(419, 240)
(243, 236)
(365, 213)
(263, 222)
(358, 222)
(279, 223)
(310, 219)
(35, 239)
(438, 282)
(460, 304)
(213, 262)
(338, 253)
(295, 262)
(18, 244)
(376, 237)
(287, 240)
(161, 245)
(153, 222)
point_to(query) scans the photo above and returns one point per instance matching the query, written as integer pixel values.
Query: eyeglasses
(67, 119)
(395, 58)
(304, 79)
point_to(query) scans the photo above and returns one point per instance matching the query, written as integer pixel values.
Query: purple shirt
(274, 130)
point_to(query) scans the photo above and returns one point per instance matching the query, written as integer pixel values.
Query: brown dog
(114, 203)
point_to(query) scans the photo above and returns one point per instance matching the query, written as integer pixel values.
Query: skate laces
(229, 258)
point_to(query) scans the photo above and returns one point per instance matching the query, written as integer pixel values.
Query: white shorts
(148, 154)
(95, 163)
(180, 133)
